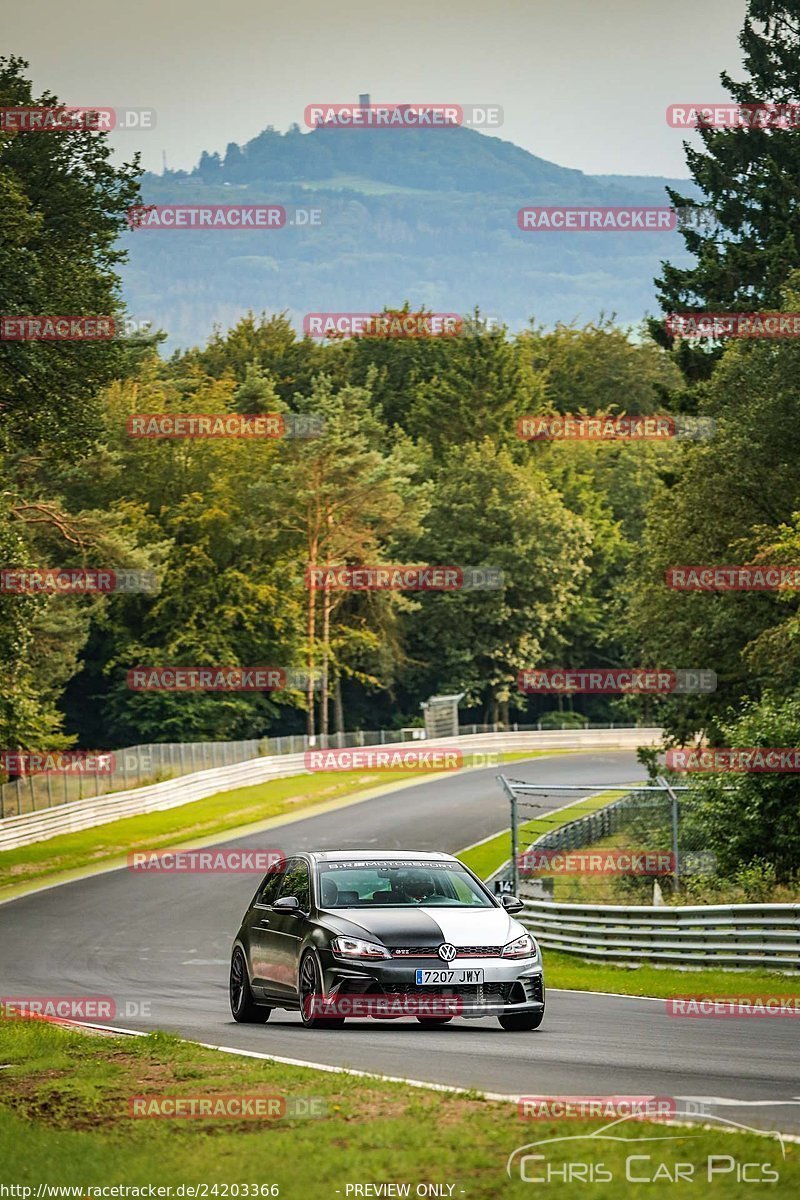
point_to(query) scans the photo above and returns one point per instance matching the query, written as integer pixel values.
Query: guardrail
(85, 814)
(725, 935)
(136, 766)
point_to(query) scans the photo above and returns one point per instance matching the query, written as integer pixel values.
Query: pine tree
(750, 177)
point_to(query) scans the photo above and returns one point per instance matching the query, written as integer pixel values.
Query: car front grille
(433, 951)
(469, 993)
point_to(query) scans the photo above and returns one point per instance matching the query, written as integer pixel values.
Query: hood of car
(421, 926)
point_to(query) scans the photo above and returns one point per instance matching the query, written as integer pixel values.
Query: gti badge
(447, 952)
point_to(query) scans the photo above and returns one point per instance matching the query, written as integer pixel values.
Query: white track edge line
(421, 1083)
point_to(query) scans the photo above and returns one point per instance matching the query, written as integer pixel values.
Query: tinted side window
(296, 883)
(269, 888)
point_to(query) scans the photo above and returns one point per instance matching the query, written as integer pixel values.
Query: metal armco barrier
(85, 814)
(725, 935)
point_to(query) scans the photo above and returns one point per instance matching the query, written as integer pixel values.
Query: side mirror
(287, 904)
(512, 904)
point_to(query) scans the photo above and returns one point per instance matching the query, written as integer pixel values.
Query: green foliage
(489, 511)
(597, 368)
(750, 180)
(751, 821)
(731, 500)
(63, 206)
(562, 720)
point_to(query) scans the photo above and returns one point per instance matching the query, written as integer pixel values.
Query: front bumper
(509, 985)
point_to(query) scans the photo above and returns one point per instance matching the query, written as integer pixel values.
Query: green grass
(64, 1120)
(568, 971)
(201, 819)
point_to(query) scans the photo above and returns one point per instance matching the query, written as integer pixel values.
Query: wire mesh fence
(626, 844)
(136, 766)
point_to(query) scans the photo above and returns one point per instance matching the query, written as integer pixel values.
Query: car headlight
(522, 947)
(347, 947)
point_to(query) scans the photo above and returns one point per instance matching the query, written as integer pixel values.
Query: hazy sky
(583, 82)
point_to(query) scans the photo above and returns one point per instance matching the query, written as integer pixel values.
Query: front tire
(243, 1006)
(311, 994)
(521, 1022)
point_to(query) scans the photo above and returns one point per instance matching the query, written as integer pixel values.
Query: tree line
(418, 461)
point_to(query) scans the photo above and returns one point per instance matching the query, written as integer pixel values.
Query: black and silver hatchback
(384, 934)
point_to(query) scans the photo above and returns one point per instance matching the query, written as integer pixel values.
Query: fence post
(673, 797)
(514, 835)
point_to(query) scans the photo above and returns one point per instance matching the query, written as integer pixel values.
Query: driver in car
(417, 885)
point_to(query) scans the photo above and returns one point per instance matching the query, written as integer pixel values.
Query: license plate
(448, 978)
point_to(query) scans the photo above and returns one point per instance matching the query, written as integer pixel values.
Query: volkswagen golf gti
(384, 934)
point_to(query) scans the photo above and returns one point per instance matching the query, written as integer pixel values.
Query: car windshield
(398, 884)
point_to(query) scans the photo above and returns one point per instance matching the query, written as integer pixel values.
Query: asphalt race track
(163, 942)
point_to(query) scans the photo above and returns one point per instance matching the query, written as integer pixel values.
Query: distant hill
(426, 216)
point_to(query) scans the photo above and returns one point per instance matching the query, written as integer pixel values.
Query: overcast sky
(583, 83)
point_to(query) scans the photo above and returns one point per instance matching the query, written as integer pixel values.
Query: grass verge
(203, 819)
(568, 971)
(65, 1120)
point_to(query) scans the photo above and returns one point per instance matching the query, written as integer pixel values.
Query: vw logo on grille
(447, 952)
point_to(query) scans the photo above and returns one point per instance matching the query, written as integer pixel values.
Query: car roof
(368, 855)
